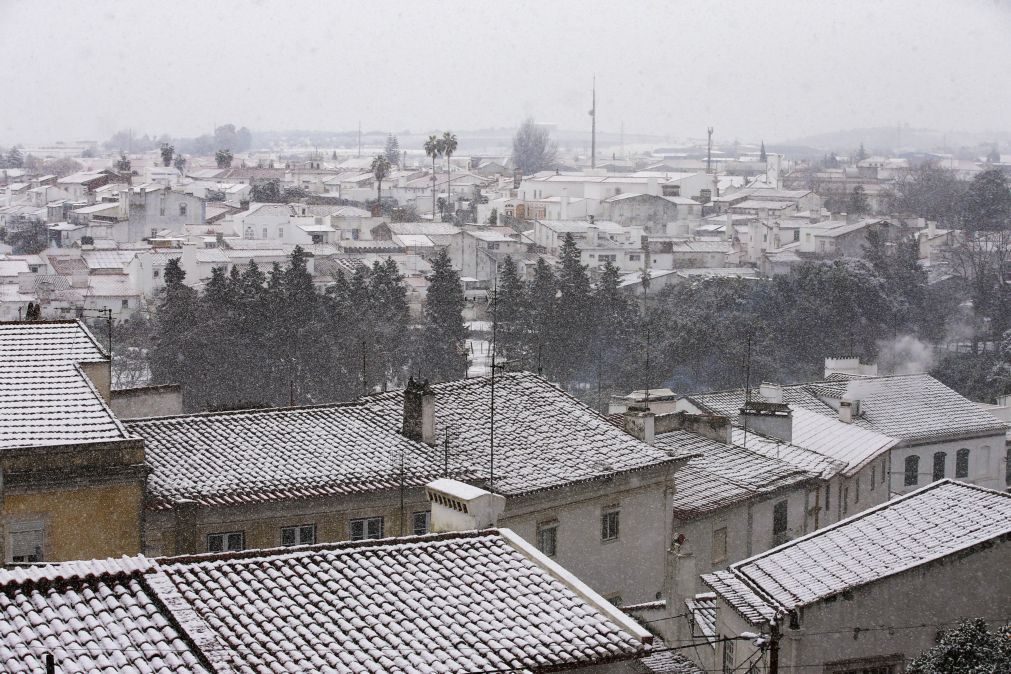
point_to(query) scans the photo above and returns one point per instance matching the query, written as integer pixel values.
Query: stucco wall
(83, 523)
(986, 462)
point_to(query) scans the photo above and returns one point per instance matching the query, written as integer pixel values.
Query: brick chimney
(457, 506)
(772, 419)
(419, 412)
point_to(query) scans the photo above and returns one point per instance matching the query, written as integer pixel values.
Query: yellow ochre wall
(83, 523)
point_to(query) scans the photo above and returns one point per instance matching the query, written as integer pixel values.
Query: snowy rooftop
(45, 398)
(941, 519)
(911, 408)
(264, 455)
(468, 602)
(544, 438)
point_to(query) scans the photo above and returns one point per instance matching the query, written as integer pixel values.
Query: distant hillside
(893, 139)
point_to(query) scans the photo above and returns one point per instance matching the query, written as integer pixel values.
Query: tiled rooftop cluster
(45, 398)
(544, 438)
(912, 408)
(262, 455)
(938, 520)
(723, 474)
(445, 603)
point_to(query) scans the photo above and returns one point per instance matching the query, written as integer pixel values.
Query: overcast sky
(769, 69)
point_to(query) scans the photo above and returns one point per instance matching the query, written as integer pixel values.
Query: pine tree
(615, 322)
(543, 306)
(175, 352)
(762, 157)
(511, 315)
(392, 150)
(444, 341)
(572, 329)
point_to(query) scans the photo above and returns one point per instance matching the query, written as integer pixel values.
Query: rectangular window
(609, 525)
(780, 523)
(547, 538)
(845, 500)
(366, 528)
(874, 475)
(940, 458)
(884, 470)
(421, 522)
(182, 209)
(720, 545)
(728, 656)
(280, 232)
(856, 482)
(304, 534)
(226, 542)
(962, 463)
(265, 232)
(125, 304)
(634, 257)
(24, 543)
(912, 470)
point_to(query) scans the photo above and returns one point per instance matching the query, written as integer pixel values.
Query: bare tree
(533, 149)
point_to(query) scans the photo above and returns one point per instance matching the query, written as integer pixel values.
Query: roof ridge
(335, 546)
(252, 410)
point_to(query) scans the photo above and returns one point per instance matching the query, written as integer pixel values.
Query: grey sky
(773, 70)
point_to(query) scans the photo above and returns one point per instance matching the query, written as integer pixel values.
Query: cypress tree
(444, 341)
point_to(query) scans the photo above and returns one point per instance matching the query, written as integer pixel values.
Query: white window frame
(610, 524)
(416, 517)
(297, 532)
(372, 528)
(226, 540)
(547, 538)
(24, 527)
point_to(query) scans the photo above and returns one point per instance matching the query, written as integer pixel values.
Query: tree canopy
(533, 149)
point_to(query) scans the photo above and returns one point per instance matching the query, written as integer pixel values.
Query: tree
(223, 158)
(993, 157)
(861, 153)
(969, 648)
(392, 150)
(448, 148)
(857, 203)
(14, 158)
(929, 192)
(444, 341)
(762, 157)
(243, 139)
(511, 310)
(533, 149)
(179, 163)
(61, 167)
(123, 163)
(380, 169)
(543, 305)
(225, 137)
(433, 148)
(573, 314)
(493, 217)
(167, 150)
(268, 192)
(615, 327)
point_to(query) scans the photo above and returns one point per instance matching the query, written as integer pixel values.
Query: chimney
(774, 420)
(641, 423)
(848, 410)
(590, 219)
(729, 227)
(419, 412)
(457, 506)
(713, 426)
(772, 393)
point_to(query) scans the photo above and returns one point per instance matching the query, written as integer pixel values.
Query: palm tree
(448, 148)
(433, 148)
(380, 169)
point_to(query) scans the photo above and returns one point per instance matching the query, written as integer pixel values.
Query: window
(265, 232)
(232, 541)
(884, 470)
(366, 528)
(280, 232)
(856, 482)
(634, 257)
(493, 245)
(161, 205)
(962, 463)
(154, 231)
(547, 538)
(304, 534)
(421, 522)
(828, 496)
(607, 258)
(249, 232)
(939, 461)
(728, 656)
(125, 304)
(874, 475)
(182, 209)
(24, 542)
(912, 472)
(880, 665)
(609, 525)
(780, 521)
(845, 500)
(720, 545)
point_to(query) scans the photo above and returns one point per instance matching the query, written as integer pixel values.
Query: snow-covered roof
(45, 397)
(414, 240)
(544, 438)
(111, 285)
(273, 454)
(929, 524)
(479, 601)
(911, 408)
(426, 228)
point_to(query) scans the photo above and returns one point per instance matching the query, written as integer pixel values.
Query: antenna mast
(491, 431)
(709, 151)
(593, 127)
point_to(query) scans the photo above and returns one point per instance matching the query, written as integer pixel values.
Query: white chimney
(457, 506)
(848, 410)
(729, 234)
(773, 393)
(641, 424)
